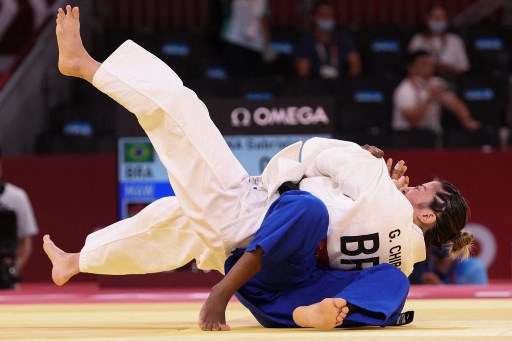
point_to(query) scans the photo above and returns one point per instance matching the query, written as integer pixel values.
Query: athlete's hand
(401, 182)
(397, 173)
(378, 153)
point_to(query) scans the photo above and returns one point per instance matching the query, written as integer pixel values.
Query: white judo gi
(216, 208)
(370, 221)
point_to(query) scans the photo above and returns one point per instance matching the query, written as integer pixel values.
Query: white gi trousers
(215, 209)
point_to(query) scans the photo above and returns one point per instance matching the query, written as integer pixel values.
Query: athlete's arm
(352, 170)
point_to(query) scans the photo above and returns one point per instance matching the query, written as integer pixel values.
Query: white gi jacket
(370, 221)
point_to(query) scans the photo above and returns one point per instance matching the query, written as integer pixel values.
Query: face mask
(437, 26)
(325, 25)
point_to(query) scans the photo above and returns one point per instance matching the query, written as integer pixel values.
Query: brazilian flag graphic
(138, 152)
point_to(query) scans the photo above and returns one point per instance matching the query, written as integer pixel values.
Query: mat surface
(150, 319)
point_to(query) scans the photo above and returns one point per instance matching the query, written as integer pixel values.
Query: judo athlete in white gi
(216, 209)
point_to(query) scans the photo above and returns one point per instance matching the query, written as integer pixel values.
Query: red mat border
(91, 293)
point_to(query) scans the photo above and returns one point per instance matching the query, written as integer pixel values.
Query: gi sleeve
(353, 169)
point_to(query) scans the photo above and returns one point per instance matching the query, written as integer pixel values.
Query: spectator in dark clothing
(325, 51)
(440, 268)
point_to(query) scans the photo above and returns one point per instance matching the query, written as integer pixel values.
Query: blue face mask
(437, 26)
(325, 25)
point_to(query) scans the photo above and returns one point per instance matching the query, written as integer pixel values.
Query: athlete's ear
(426, 216)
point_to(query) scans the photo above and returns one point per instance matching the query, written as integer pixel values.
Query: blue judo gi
(290, 276)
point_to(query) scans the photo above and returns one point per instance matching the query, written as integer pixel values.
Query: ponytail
(461, 245)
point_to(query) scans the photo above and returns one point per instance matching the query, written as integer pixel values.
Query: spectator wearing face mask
(325, 51)
(446, 49)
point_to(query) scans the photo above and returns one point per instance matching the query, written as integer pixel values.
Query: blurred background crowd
(401, 74)
(397, 74)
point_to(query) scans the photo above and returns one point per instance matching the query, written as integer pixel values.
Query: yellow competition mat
(435, 319)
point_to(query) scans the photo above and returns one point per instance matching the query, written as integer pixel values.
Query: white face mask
(325, 25)
(437, 26)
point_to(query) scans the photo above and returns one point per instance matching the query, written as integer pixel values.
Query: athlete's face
(422, 195)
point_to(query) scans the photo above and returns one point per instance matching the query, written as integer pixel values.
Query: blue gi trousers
(290, 276)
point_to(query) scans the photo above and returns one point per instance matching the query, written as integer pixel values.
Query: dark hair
(452, 213)
(321, 3)
(437, 6)
(0, 151)
(411, 57)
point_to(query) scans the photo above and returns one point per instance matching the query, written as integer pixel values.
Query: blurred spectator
(246, 37)
(419, 98)
(16, 199)
(446, 48)
(440, 268)
(325, 51)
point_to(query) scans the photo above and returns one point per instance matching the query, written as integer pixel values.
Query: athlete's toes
(60, 15)
(219, 326)
(339, 302)
(205, 326)
(76, 12)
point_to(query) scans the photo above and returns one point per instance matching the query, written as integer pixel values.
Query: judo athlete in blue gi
(286, 287)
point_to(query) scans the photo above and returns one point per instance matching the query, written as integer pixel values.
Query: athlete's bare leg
(74, 60)
(327, 314)
(65, 265)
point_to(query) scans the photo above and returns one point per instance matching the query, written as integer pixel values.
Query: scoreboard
(142, 178)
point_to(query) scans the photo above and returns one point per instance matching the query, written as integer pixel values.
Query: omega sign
(279, 116)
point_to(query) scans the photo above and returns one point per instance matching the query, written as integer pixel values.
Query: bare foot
(212, 316)
(65, 265)
(74, 60)
(327, 314)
